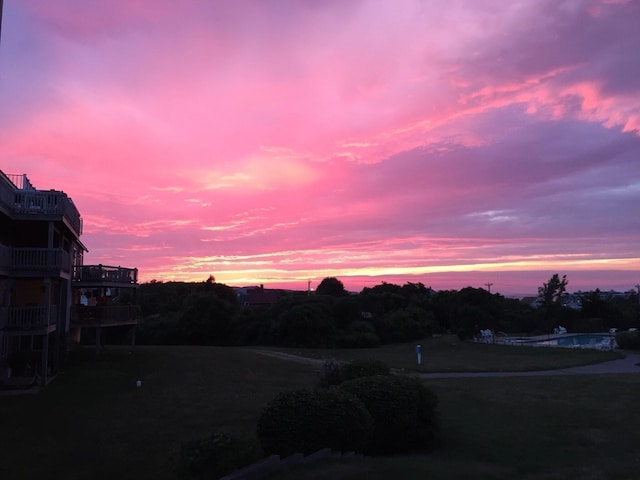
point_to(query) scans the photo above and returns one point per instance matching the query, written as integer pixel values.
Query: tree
(552, 312)
(552, 291)
(331, 286)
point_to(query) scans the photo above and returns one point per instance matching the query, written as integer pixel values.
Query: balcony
(21, 200)
(103, 274)
(104, 315)
(28, 319)
(35, 260)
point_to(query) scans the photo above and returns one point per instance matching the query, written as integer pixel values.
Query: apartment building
(50, 300)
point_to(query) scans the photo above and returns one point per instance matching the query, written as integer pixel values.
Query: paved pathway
(629, 364)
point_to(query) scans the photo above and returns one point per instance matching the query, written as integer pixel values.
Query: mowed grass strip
(92, 421)
(448, 354)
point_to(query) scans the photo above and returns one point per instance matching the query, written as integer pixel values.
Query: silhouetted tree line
(209, 313)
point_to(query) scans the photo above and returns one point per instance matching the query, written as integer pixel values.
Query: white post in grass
(419, 353)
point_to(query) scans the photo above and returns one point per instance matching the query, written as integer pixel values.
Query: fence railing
(28, 318)
(21, 181)
(104, 273)
(26, 200)
(40, 258)
(111, 314)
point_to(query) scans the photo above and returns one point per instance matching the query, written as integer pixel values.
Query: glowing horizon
(277, 143)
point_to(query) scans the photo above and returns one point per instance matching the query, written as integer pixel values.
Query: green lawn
(531, 428)
(447, 354)
(92, 422)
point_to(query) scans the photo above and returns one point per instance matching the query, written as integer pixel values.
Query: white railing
(32, 317)
(40, 258)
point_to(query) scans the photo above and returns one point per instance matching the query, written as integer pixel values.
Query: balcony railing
(21, 181)
(104, 314)
(39, 259)
(28, 318)
(104, 273)
(22, 199)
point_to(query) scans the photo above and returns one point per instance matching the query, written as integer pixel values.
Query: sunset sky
(454, 143)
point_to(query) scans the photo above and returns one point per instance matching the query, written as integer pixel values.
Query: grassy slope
(93, 423)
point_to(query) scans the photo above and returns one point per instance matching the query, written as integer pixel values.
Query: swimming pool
(571, 340)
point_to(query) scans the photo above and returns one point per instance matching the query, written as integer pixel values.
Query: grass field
(92, 422)
(447, 354)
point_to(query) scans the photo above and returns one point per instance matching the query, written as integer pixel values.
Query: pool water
(579, 340)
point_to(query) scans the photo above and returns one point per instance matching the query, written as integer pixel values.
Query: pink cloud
(275, 142)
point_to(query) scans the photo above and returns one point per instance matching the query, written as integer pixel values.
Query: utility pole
(488, 285)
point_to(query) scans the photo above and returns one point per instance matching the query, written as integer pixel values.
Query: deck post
(133, 338)
(45, 359)
(98, 341)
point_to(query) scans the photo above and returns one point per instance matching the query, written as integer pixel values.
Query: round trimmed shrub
(334, 373)
(215, 455)
(404, 412)
(305, 421)
(365, 368)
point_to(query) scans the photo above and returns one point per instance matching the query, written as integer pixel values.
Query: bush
(334, 373)
(305, 421)
(628, 340)
(404, 412)
(215, 455)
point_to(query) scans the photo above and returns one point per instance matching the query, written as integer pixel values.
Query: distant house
(258, 296)
(47, 295)
(534, 302)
